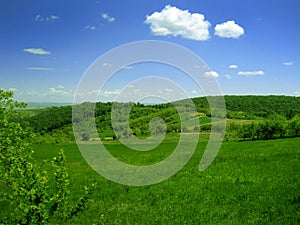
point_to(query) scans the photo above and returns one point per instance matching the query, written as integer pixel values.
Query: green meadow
(248, 183)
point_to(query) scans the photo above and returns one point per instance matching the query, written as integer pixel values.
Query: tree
(25, 186)
(294, 126)
(245, 132)
(277, 125)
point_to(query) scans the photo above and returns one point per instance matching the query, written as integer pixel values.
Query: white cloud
(89, 27)
(233, 66)
(251, 73)
(39, 18)
(107, 17)
(290, 63)
(127, 67)
(54, 17)
(60, 91)
(194, 92)
(37, 51)
(110, 93)
(211, 74)
(177, 22)
(229, 29)
(39, 68)
(106, 65)
(228, 76)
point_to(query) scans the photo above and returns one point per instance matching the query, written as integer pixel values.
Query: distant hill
(59, 118)
(39, 105)
(252, 106)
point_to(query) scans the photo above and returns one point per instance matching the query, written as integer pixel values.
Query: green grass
(248, 183)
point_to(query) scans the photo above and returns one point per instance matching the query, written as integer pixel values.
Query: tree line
(58, 121)
(275, 126)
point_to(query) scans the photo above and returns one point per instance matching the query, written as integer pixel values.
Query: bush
(25, 187)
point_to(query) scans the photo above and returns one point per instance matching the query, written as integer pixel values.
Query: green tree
(278, 125)
(294, 126)
(25, 187)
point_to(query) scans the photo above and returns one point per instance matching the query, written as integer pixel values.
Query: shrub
(27, 192)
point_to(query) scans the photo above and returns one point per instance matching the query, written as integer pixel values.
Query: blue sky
(46, 46)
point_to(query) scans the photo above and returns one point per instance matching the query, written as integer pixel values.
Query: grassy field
(248, 183)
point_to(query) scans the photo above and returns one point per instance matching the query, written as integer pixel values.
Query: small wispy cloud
(107, 17)
(39, 68)
(127, 67)
(290, 63)
(39, 18)
(110, 92)
(297, 92)
(211, 74)
(229, 77)
(59, 91)
(168, 90)
(251, 73)
(107, 65)
(90, 27)
(37, 51)
(233, 66)
(200, 66)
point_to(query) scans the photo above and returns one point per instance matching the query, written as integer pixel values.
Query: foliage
(279, 115)
(26, 188)
(275, 126)
(51, 118)
(253, 107)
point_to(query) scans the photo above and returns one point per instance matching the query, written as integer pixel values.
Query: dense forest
(263, 117)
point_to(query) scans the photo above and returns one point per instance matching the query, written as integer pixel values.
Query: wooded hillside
(57, 121)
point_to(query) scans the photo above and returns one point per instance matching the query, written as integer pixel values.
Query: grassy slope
(248, 183)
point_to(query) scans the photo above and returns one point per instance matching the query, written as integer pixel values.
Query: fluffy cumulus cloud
(107, 17)
(229, 29)
(211, 74)
(37, 51)
(251, 73)
(178, 22)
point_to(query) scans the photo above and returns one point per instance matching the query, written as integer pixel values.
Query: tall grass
(248, 183)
